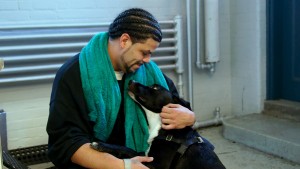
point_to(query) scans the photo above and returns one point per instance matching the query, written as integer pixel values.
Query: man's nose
(146, 59)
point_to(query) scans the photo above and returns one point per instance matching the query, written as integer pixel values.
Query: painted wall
(237, 86)
(212, 90)
(248, 51)
(42, 11)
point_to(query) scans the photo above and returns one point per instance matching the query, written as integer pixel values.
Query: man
(89, 100)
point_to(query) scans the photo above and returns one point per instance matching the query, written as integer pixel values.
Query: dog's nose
(130, 82)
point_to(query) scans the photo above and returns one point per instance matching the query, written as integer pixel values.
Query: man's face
(137, 54)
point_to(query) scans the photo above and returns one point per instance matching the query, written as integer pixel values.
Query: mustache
(140, 63)
(128, 67)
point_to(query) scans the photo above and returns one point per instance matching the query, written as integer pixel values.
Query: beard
(130, 65)
(133, 67)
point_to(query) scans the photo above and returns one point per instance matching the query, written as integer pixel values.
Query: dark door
(283, 32)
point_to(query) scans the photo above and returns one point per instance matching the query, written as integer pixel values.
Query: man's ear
(125, 40)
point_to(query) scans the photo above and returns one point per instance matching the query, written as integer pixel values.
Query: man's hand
(136, 162)
(175, 116)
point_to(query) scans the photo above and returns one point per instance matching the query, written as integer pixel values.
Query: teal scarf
(103, 95)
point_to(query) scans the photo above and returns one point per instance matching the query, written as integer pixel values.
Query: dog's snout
(130, 82)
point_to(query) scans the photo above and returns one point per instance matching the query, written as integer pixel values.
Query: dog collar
(190, 139)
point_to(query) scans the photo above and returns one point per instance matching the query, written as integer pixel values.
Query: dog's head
(152, 97)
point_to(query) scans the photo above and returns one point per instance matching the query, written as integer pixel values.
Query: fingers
(166, 115)
(175, 116)
(168, 106)
(167, 110)
(142, 159)
(167, 126)
(166, 120)
(136, 162)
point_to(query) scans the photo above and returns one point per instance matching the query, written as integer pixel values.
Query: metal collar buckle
(199, 139)
(169, 137)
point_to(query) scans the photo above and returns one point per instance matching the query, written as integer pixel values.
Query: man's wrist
(127, 163)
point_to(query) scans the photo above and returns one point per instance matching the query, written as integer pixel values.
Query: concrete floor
(238, 156)
(233, 155)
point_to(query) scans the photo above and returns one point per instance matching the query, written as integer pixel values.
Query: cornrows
(138, 23)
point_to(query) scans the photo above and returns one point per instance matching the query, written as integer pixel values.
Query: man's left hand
(175, 116)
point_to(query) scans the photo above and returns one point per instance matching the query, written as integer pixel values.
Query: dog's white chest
(154, 124)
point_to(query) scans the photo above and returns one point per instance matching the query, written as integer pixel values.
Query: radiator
(33, 53)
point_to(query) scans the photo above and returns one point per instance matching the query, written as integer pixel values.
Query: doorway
(283, 42)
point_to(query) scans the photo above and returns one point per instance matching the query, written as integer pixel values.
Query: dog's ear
(182, 102)
(176, 99)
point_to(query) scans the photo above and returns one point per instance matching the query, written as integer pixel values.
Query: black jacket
(68, 124)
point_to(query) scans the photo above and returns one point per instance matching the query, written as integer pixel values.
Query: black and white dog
(171, 149)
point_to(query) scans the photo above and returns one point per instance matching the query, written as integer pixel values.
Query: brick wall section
(44, 11)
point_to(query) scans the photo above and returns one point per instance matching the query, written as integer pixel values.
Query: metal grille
(31, 155)
(10, 162)
(34, 53)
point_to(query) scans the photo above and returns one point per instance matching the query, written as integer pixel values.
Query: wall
(42, 11)
(248, 61)
(237, 86)
(212, 90)
(26, 110)
(27, 106)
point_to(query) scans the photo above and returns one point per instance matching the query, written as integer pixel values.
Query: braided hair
(138, 23)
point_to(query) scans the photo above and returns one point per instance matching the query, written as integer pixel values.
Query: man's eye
(145, 54)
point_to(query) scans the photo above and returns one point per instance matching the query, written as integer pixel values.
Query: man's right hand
(136, 162)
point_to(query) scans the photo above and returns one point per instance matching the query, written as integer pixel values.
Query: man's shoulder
(70, 69)
(168, 80)
(71, 63)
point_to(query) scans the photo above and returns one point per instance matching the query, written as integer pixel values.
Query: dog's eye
(155, 87)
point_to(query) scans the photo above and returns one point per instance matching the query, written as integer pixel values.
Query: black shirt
(68, 124)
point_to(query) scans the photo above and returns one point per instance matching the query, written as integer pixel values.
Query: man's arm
(89, 158)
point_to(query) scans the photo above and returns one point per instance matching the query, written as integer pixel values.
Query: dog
(171, 149)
